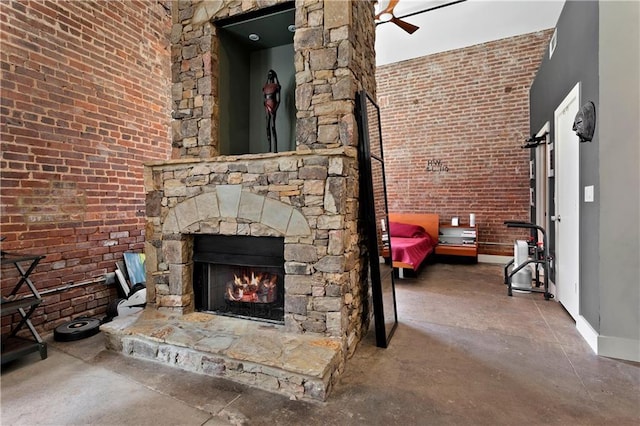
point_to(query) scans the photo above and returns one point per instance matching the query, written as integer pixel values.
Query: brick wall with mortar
(452, 126)
(85, 102)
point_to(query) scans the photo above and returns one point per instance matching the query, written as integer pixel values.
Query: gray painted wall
(598, 45)
(234, 74)
(619, 153)
(575, 59)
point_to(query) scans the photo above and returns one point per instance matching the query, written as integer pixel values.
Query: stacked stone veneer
(309, 196)
(334, 57)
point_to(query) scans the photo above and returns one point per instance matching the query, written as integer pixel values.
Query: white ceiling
(459, 25)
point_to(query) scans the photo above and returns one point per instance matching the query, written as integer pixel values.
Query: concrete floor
(464, 353)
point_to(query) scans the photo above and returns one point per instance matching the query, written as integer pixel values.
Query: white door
(567, 201)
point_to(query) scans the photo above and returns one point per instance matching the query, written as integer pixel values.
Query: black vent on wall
(239, 250)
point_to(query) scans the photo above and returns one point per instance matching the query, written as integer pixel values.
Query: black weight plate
(77, 329)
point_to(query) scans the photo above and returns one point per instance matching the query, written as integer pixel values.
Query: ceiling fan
(386, 15)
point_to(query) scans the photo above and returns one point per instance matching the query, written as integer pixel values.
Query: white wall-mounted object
(588, 194)
(553, 43)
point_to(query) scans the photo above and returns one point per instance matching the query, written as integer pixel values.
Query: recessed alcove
(243, 66)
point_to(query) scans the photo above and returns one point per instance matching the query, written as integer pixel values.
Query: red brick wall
(452, 126)
(85, 102)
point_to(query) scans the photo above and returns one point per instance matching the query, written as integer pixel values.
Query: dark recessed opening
(244, 65)
(240, 276)
(270, 24)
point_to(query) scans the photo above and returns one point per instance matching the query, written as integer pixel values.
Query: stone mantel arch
(208, 211)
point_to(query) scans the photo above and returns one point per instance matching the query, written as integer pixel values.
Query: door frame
(542, 193)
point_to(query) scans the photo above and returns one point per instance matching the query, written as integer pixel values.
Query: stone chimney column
(195, 79)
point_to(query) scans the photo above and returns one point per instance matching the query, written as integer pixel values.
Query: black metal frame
(367, 199)
(14, 346)
(538, 256)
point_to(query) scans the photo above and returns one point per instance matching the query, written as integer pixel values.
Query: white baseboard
(587, 332)
(609, 346)
(494, 258)
(619, 347)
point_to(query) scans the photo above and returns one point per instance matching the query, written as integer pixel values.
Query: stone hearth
(308, 197)
(248, 352)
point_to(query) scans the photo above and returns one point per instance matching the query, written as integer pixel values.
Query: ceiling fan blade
(410, 28)
(389, 9)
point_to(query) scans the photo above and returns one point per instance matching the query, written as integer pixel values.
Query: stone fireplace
(306, 199)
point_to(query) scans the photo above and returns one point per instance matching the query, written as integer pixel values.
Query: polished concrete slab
(464, 353)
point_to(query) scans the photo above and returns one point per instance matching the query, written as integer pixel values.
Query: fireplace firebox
(239, 276)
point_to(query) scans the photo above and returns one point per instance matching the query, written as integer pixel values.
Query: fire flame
(254, 288)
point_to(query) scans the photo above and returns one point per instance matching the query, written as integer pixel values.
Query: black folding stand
(14, 346)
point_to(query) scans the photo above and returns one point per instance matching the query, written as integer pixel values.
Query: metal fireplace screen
(240, 276)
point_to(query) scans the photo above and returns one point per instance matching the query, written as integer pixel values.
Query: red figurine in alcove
(271, 91)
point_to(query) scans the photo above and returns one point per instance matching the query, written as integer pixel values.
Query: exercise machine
(537, 254)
